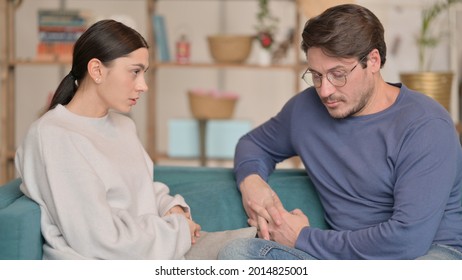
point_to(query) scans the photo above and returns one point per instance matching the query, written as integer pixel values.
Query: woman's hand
(177, 209)
(194, 228)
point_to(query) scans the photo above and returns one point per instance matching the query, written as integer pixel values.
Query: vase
(434, 84)
(264, 57)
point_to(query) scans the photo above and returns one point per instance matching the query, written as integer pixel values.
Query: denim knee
(441, 252)
(260, 249)
(234, 250)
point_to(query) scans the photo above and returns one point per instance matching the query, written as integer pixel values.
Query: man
(385, 160)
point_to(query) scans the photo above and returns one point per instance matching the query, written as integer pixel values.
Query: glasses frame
(329, 76)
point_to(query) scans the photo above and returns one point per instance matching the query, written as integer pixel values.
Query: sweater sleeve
(161, 192)
(260, 150)
(425, 173)
(76, 214)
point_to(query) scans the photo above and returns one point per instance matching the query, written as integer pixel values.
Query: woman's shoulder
(48, 125)
(57, 123)
(46, 120)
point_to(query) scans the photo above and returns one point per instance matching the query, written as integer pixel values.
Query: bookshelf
(158, 66)
(7, 102)
(9, 63)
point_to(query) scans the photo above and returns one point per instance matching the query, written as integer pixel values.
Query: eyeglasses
(337, 78)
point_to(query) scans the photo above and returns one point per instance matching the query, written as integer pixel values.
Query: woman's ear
(95, 70)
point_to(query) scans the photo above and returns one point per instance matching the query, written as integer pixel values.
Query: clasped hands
(193, 227)
(268, 215)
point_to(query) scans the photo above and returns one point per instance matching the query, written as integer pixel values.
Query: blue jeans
(260, 249)
(441, 252)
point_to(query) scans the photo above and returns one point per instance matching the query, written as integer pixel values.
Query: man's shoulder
(419, 105)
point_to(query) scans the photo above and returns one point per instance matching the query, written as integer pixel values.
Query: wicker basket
(230, 48)
(211, 107)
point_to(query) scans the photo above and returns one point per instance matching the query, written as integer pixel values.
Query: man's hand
(291, 224)
(255, 191)
(288, 232)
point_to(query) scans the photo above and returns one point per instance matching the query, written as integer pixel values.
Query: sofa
(210, 192)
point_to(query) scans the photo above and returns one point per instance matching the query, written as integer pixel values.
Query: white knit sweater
(94, 183)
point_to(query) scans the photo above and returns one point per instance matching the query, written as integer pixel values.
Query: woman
(85, 166)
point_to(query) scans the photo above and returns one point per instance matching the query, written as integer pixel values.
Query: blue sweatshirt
(390, 182)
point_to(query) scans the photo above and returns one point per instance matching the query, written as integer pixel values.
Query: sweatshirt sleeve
(76, 214)
(162, 192)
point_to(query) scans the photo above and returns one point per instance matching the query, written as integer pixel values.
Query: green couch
(211, 193)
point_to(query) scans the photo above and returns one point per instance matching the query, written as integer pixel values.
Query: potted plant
(435, 84)
(266, 27)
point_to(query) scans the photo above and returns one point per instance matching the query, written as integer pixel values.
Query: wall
(34, 83)
(262, 92)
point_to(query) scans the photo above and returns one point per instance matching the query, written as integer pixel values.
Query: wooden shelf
(296, 66)
(9, 62)
(229, 65)
(8, 65)
(39, 62)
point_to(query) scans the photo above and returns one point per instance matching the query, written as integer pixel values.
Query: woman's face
(124, 81)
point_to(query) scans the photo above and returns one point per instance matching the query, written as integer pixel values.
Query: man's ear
(95, 70)
(374, 60)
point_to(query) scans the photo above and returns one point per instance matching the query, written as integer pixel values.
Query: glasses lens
(338, 80)
(312, 79)
(317, 80)
(307, 78)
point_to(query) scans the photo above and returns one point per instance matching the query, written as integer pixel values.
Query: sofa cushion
(210, 192)
(216, 202)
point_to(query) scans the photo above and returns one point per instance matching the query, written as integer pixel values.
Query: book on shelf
(58, 30)
(160, 36)
(60, 51)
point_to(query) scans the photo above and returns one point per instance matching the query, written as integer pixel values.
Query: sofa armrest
(20, 235)
(10, 192)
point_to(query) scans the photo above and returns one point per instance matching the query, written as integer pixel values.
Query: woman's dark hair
(345, 31)
(105, 40)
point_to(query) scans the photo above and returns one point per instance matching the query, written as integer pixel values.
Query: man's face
(351, 99)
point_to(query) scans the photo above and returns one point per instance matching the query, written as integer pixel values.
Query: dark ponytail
(65, 91)
(105, 40)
